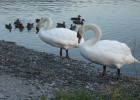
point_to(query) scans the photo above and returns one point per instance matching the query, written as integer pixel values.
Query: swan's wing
(109, 53)
(114, 47)
(61, 37)
(66, 37)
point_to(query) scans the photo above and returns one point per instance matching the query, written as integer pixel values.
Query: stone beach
(26, 74)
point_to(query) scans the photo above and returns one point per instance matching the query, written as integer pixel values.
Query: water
(118, 20)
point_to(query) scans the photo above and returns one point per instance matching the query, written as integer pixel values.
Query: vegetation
(82, 95)
(119, 92)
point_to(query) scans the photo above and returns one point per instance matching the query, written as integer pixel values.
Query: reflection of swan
(105, 52)
(57, 37)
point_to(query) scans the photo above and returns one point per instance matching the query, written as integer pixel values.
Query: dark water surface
(118, 20)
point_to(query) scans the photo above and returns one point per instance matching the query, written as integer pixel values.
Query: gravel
(26, 74)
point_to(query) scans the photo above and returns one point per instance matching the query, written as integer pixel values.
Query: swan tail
(136, 61)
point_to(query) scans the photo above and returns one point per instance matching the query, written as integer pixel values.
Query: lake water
(118, 19)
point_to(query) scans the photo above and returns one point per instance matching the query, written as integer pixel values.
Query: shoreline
(37, 73)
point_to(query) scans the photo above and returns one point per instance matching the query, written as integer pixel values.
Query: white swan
(57, 37)
(105, 52)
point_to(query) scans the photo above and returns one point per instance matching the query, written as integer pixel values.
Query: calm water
(118, 20)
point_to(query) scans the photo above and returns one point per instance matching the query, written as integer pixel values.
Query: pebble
(31, 74)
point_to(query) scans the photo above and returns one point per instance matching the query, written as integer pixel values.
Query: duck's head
(79, 16)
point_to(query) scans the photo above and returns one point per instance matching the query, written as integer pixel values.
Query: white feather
(105, 52)
(57, 37)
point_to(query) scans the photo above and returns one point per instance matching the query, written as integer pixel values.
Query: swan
(57, 37)
(109, 53)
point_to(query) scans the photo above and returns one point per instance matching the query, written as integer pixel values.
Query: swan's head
(37, 29)
(42, 22)
(79, 37)
(80, 33)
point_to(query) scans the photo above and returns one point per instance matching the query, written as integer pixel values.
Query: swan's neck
(97, 31)
(43, 21)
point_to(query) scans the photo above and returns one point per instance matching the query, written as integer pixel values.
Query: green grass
(82, 95)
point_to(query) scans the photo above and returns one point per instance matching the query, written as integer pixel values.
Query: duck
(73, 27)
(79, 22)
(76, 18)
(21, 27)
(37, 20)
(8, 26)
(60, 25)
(29, 26)
(17, 23)
(109, 53)
(57, 37)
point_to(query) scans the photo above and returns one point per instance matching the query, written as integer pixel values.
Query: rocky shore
(26, 74)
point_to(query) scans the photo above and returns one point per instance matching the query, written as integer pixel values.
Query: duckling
(73, 27)
(8, 26)
(76, 18)
(81, 22)
(29, 26)
(59, 25)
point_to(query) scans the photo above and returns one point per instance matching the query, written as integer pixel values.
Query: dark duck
(76, 18)
(61, 25)
(8, 26)
(79, 22)
(73, 27)
(29, 26)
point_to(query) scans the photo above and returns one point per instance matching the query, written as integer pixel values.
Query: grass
(118, 92)
(43, 97)
(82, 95)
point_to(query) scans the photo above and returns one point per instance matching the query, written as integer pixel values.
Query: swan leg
(118, 72)
(67, 54)
(104, 70)
(60, 51)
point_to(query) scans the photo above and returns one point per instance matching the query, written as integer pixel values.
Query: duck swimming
(29, 26)
(8, 26)
(73, 27)
(79, 22)
(61, 25)
(76, 18)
